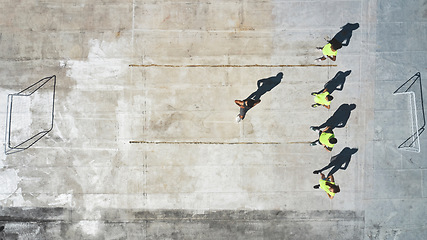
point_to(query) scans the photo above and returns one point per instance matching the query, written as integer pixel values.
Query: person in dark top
(245, 105)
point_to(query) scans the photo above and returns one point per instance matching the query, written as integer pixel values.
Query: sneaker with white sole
(313, 128)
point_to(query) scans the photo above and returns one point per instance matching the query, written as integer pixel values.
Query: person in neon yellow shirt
(328, 51)
(328, 185)
(322, 99)
(326, 138)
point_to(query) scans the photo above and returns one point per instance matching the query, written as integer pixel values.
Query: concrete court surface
(144, 143)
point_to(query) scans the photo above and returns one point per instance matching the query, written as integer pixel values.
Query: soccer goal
(413, 89)
(30, 115)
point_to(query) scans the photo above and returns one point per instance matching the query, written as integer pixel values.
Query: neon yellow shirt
(324, 139)
(327, 51)
(326, 187)
(321, 99)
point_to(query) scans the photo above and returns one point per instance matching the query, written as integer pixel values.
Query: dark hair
(329, 97)
(333, 140)
(336, 188)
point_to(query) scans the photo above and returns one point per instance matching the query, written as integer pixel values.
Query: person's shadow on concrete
(339, 161)
(336, 83)
(340, 117)
(342, 38)
(265, 85)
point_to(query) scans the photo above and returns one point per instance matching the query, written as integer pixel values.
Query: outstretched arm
(239, 103)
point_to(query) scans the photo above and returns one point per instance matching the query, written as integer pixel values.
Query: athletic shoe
(314, 105)
(318, 59)
(313, 144)
(316, 172)
(313, 128)
(316, 186)
(238, 119)
(313, 93)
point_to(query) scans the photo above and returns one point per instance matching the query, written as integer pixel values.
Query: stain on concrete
(423, 9)
(53, 223)
(9, 181)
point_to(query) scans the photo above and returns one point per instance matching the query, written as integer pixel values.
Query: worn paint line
(228, 65)
(228, 143)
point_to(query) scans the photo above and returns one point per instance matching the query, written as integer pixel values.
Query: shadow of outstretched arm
(337, 82)
(346, 33)
(266, 85)
(339, 161)
(340, 117)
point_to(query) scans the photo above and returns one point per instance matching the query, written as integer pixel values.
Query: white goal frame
(414, 139)
(27, 92)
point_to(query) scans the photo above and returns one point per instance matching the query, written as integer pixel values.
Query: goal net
(413, 89)
(30, 115)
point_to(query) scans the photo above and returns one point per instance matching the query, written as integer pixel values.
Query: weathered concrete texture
(145, 145)
(102, 104)
(394, 179)
(57, 223)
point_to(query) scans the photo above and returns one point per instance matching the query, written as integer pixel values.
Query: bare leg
(320, 59)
